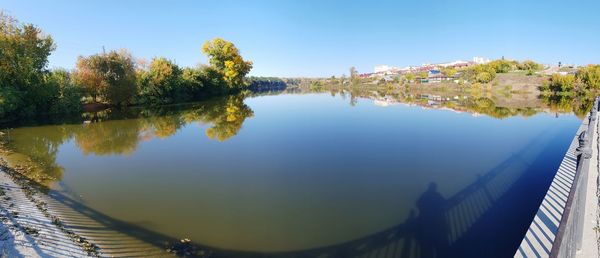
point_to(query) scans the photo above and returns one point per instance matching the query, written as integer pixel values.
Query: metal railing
(568, 241)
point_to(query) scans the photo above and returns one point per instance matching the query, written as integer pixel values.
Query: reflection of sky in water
(310, 170)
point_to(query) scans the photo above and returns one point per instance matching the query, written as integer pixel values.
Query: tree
(193, 82)
(410, 77)
(226, 59)
(482, 73)
(354, 78)
(449, 71)
(88, 75)
(161, 83)
(69, 94)
(24, 52)
(108, 75)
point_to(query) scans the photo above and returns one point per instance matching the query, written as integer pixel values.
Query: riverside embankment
(567, 224)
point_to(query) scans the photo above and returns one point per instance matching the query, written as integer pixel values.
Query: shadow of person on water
(431, 225)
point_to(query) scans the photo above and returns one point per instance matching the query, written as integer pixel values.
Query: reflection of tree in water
(579, 105)
(165, 126)
(488, 107)
(36, 148)
(39, 145)
(226, 118)
(109, 137)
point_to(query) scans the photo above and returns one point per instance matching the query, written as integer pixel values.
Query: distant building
(382, 68)
(437, 76)
(480, 60)
(456, 64)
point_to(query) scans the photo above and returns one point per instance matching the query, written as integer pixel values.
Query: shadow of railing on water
(440, 222)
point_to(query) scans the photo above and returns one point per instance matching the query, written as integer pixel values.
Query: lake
(307, 174)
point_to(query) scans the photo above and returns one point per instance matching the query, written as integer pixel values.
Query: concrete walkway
(590, 245)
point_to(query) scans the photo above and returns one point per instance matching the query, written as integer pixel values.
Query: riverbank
(28, 227)
(42, 222)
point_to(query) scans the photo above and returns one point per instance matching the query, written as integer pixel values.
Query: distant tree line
(261, 84)
(116, 78)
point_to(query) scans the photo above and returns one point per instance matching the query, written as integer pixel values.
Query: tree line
(115, 78)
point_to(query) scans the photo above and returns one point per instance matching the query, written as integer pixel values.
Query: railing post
(584, 150)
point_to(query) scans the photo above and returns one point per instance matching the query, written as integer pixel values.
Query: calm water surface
(291, 173)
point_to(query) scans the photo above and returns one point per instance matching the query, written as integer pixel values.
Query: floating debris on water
(186, 248)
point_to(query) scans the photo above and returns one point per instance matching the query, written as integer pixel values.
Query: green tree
(161, 83)
(192, 81)
(70, 95)
(226, 59)
(24, 52)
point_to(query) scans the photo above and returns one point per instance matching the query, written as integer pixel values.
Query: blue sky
(321, 38)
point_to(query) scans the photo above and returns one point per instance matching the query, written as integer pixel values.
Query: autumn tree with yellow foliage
(225, 57)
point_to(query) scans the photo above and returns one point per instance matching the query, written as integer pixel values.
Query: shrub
(590, 76)
(562, 82)
(69, 95)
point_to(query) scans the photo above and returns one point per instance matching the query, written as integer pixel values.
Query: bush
(529, 66)
(502, 66)
(482, 73)
(590, 76)
(483, 77)
(10, 101)
(69, 95)
(562, 82)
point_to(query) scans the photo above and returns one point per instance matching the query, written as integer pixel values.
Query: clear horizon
(315, 39)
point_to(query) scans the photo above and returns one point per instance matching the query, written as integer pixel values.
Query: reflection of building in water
(385, 101)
